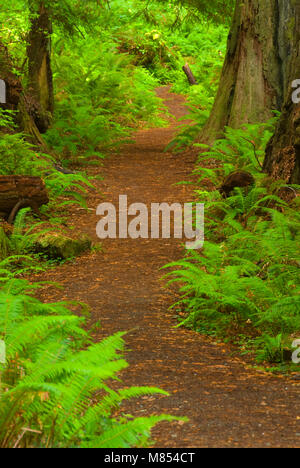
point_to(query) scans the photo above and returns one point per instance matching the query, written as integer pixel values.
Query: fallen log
(18, 192)
(56, 245)
(189, 74)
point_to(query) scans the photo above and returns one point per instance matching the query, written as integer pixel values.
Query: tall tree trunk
(39, 67)
(282, 159)
(252, 77)
(12, 82)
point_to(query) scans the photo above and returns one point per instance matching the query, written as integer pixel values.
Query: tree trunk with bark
(252, 79)
(17, 192)
(282, 159)
(17, 100)
(39, 67)
(189, 74)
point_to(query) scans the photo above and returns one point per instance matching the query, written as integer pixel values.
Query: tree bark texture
(252, 79)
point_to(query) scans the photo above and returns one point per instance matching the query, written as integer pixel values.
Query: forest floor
(229, 403)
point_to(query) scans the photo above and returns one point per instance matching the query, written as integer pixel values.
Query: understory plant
(100, 98)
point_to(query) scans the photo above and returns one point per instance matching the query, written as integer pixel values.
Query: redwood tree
(16, 99)
(262, 61)
(252, 79)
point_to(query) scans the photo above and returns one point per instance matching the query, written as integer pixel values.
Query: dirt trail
(228, 404)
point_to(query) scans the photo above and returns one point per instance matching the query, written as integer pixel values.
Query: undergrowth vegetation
(105, 85)
(19, 157)
(55, 382)
(100, 98)
(106, 71)
(59, 385)
(244, 285)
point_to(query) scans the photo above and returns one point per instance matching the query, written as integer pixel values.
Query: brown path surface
(228, 404)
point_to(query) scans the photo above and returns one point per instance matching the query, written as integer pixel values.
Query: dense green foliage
(54, 384)
(18, 156)
(104, 79)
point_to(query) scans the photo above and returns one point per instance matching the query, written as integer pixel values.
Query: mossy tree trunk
(252, 78)
(39, 66)
(282, 159)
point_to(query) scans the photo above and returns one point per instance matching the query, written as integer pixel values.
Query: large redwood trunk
(16, 99)
(12, 82)
(283, 152)
(252, 79)
(39, 66)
